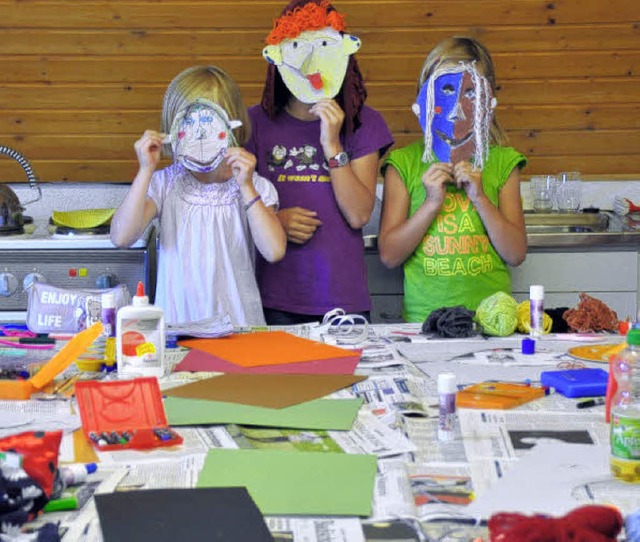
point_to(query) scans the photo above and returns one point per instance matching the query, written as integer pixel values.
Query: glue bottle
(625, 411)
(447, 406)
(536, 304)
(140, 337)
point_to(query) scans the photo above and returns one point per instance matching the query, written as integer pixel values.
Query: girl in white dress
(213, 209)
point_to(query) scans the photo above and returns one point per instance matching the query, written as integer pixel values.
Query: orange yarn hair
(310, 17)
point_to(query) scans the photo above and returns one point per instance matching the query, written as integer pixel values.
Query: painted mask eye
(448, 89)
(222, 135)
(470, 93)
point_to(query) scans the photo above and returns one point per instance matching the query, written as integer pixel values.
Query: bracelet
(248, 205)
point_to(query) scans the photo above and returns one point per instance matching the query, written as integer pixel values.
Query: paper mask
(314, 63)
(454, 108)
(201, 134)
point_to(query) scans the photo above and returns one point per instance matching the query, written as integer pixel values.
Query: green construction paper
(295, 483)
(334, 414)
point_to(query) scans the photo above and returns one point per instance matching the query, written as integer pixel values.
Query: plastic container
(140, 338)
(447, 406)
(536, 303)
(123, 414)
(625, 411)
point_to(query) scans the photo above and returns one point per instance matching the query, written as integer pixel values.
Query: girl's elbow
(120, 241)
(277, 252)
(388, 259)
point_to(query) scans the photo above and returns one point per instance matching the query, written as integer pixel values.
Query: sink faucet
(26, 166)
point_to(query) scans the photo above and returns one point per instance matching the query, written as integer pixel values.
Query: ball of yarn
(498, 314)
(524, 319)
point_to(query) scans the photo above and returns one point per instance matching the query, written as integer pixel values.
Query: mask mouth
(451, 141)
(316, 80)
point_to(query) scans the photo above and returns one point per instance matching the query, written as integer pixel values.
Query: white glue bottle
(447, 406)
(140, 338)
(536, 304)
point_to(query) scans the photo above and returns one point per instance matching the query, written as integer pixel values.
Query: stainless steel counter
(615, 232)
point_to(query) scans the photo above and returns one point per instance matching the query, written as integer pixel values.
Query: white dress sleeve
(266, 190)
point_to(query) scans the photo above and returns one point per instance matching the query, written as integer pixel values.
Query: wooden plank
(377, 40)
(545, 117)
(399, 120)
(603, 167)
(574, 143)
(375, 68)
(259, 14)
(381, 95)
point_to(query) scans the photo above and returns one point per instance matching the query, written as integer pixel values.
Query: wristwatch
(339, 160)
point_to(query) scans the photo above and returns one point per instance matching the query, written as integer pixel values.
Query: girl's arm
(505, 223)
(268, 234)
(400, 234)
(354, 185)
(137, 210)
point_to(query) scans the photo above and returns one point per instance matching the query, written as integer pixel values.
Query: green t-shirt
(455, 263)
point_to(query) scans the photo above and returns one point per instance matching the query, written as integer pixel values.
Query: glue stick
(447, 406)
(536, 303)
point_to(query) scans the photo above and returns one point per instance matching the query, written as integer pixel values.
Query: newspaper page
(315, 529)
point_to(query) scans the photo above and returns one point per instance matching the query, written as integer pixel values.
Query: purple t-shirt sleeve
(373, 135)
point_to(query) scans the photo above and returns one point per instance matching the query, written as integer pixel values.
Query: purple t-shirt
(329, 270)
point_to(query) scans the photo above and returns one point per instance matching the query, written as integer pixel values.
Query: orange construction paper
(266, 348)
(264, 390)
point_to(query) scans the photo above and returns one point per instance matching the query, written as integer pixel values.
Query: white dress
(206, 254)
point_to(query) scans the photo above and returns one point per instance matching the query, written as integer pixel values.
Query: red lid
(120, 405)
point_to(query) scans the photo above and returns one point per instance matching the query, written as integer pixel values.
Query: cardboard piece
(295, 483)
(267, 348)
(270, 391)
(335, 414)
(166, 515)
(198, 360)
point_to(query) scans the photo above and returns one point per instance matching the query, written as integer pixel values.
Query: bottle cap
(536, 291)
(108, 301)
(633, 337)
(140, 299)
(91, 467)
(447, 383)
(528, 346)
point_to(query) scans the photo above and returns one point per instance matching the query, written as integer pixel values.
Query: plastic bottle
(108, 314)
(447, 406)
(140, 337)
(625, 411)
(536, 304)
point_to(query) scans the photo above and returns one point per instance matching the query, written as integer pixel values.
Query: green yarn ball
(498, 314)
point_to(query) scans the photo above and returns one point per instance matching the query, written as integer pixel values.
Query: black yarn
(450, 322)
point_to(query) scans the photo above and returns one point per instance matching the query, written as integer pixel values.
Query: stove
(71, 259)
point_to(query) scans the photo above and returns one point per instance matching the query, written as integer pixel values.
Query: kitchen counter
(619, 233)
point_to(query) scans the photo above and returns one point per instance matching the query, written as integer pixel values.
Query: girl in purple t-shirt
(318, 143)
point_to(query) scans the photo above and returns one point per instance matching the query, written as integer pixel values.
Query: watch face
(339, 160)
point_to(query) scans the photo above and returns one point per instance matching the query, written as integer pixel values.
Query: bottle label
(447, 412)
(140, 342)
(625, 437)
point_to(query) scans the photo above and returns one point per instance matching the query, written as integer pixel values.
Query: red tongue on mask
(316, 80)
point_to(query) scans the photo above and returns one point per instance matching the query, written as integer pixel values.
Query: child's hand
(435, 181)
(300, 224)
(149, 149)
(469, 178)
(242, 163)
(331, 119)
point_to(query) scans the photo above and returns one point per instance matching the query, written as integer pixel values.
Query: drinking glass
(543, 191)
(569, 192)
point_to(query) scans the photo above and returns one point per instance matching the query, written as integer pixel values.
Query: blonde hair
(461, 49)
(209, 83)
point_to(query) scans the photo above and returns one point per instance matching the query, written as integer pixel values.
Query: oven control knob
(31, 278)
(8, 284)
(106, 280)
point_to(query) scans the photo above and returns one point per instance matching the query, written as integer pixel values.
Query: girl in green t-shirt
(452, 212)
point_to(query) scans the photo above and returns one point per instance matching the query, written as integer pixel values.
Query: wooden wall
(81, 80)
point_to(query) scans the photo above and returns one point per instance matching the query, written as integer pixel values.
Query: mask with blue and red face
(447, 109)
(201, 134)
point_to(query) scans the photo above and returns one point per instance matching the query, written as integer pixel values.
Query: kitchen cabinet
(611, 276)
